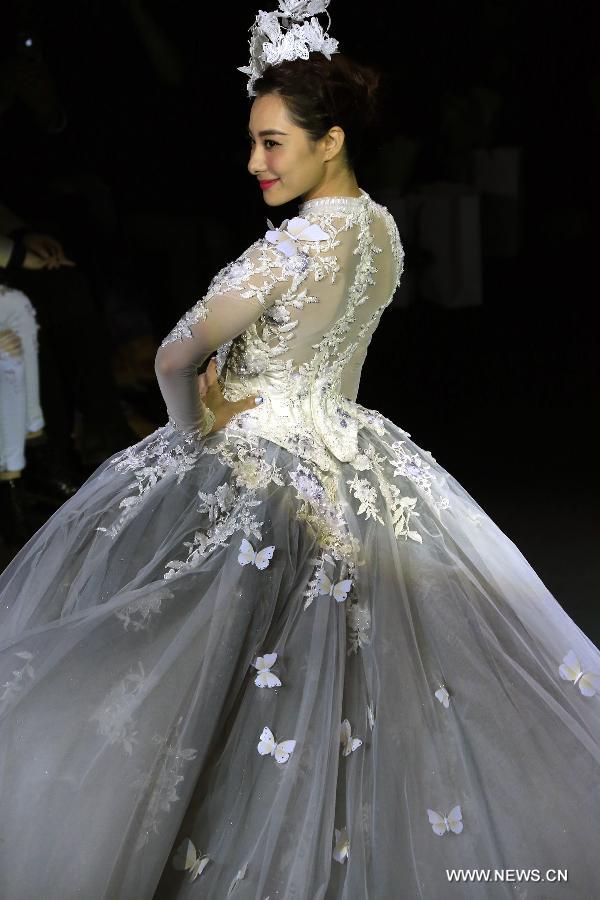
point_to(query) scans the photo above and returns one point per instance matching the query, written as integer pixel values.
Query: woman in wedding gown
(275, 650)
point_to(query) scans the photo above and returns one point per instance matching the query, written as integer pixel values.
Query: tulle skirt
(224, 672)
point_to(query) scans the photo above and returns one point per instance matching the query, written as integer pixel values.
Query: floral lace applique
(358, 619)
(230, 508)
(321, 509)
(114, 715)
(367, 496)
(328, 434)
(414, 467)
(319, 578)
(319, 504)
(139, 611)
(157, 460)
(255, 273)
(16, 683)
(256, 349)
(232, 277)
(410, 467)
(163, 779)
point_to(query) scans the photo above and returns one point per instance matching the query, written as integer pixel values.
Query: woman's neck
(343, 185)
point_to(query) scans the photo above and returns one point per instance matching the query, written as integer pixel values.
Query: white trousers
(20, 410)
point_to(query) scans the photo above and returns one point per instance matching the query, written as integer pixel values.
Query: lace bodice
(291, 319)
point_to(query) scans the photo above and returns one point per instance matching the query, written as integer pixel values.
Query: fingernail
(258, 400)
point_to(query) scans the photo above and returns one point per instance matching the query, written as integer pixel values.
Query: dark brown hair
(320, 93)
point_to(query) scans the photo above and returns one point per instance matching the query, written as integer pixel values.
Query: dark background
(140, 169)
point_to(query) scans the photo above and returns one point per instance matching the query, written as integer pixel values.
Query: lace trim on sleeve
(252, 276)
(206, 423)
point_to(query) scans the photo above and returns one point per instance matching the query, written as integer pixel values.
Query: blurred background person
(21, 416)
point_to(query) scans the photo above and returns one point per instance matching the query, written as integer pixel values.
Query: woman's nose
(256, 162)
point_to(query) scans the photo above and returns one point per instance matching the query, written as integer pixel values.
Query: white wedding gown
(293, 659)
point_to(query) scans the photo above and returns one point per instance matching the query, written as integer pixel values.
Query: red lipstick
(267, 184)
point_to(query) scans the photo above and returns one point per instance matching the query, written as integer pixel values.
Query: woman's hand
(222, 409)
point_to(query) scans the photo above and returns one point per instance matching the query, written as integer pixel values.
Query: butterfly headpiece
(286, 34)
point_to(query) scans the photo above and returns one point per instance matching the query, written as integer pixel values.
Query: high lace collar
(333, 202)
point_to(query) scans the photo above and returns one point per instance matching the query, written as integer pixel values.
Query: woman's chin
(276, 201)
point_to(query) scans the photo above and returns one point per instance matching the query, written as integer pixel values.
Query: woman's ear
(334, 142)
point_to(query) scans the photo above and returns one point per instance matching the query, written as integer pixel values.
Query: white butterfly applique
(451, 822)
(371, 716)
(265, 677)
(342, 844)
(348, 742)
(188, 859)
(587, 682)
(292, 230)
(443, 696)
(269, 746)
(339, 590)
(260, 558)
(237, 878)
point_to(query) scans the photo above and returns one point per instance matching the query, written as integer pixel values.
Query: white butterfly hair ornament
(570, 670)
(265, 677)
(339, 590)
(443, 696)
(441, 824)
(292, 230)
(188, 859)
(269, 746)
(348, 742)
(260, 558)
(272, 41)
(341, 851)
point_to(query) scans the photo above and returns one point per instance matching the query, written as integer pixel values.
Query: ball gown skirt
(224, 673)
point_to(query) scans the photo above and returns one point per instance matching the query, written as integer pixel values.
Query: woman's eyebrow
(267, 131)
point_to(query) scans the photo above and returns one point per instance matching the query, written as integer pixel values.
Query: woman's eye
(267, 141)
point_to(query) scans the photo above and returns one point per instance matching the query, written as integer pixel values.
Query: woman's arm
(236, 297)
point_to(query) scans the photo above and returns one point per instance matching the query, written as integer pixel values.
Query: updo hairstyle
(320, 93)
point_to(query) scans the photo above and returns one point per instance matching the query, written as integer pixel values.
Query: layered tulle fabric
(412, 684)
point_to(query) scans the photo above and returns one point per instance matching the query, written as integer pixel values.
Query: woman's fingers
(245, 403)
(211, 372)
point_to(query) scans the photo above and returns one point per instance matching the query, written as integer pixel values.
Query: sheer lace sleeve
(236, 297)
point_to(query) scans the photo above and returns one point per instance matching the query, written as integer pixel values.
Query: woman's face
(286, 162)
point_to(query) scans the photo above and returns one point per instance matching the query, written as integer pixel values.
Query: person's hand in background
(10, 342)
(47, 249)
